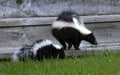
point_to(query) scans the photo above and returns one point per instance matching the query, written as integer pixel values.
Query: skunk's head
(79, 25)
(91, 39)
(59, 51)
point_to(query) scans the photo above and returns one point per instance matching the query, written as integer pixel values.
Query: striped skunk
(70, 29)
(39, 50)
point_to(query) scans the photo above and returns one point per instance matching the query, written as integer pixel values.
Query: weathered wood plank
(6, 53)
(5, 22)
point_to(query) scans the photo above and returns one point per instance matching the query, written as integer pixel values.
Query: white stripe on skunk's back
(61, 24)
(40, 45)
(82, 29)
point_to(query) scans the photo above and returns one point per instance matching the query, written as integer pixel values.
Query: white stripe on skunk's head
(38, 45)
(57, 46)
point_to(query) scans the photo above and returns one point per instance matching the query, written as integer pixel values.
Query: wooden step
(85, 50)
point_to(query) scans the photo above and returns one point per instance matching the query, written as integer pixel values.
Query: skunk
(70, 29)
(39, 50)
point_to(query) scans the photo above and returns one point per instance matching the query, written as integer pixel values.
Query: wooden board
(42, 21)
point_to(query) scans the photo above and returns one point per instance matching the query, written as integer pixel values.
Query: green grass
(106, 64)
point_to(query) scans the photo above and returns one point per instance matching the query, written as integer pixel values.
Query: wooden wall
(24, 22)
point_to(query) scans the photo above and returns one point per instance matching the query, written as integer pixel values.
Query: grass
(104, 64)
